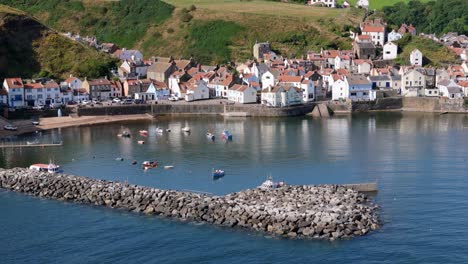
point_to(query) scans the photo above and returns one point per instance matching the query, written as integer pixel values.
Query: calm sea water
(419, 160)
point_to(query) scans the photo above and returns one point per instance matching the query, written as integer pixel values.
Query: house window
(29, 90)
(406, 82)
(430, 92)
(48, 89)
(39, 96)
(364, 93)
(353, 94)
(39, 90)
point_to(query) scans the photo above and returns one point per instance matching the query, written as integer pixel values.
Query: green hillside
(434, 54)
(211, 31)
(28, 48)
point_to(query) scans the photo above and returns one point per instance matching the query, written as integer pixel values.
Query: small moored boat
(50, 168)
(226, 135)
(217, 174)
(124, 134)
(168, 167)
(168, 130)
(141, 142)
(35, 142)
(186, 129)
(270, 184)
(159, 130)
(143, 132)
(149, 164)
(210, 136)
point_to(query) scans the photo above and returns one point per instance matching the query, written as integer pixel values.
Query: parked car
(36, 123)
(127, 101)
(173, 98)
(85, 102)
(116, 100)
(137, 101)
(72, 103)
(55, 105)
(10, 127)
(39, 107)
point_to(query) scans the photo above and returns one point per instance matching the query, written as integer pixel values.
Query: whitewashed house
(362, 66)
(450, 89)
(390, 51)
(308, 90)
(281, 96)
(413, 83)
(327, 3)
(15, 89)
(376, 30)
(269, 78)
(362, 3)
(197, 90)
(221, 85)
(416, 58)
(394, 36)
(243, 94)
(339, 88)
(73, 83)
(353, 87)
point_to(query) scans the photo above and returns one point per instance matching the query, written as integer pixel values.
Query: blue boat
(217, 174)
(226, 135)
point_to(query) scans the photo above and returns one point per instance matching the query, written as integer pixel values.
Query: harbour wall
(201, 109)
(321, 212)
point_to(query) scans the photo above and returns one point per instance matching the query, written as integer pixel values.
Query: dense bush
(438, 16)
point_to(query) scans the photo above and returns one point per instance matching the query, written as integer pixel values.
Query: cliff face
(28, 48)
(17, 35)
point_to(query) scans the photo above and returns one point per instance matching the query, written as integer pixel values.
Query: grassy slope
(156, 27)
(28, 48)
(434, 54)
(292, 29)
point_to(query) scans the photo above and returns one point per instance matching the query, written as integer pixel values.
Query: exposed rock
(325, 211)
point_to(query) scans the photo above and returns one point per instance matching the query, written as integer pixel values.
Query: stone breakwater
(323, 212)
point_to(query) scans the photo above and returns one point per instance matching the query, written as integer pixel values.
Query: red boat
(149, 164)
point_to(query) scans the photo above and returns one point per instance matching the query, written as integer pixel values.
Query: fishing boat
(119, 159)
(149, 164)
(270, 184)
(186, 129)
(141, 142)
(35, 142)
(168, 167)
(143, 132)
(168, 130)
(210, 136)
(124, 134)
(159, 130)
(226, 135)
(50, 168)
(217, 174)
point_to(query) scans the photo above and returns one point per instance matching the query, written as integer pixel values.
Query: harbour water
(419, 160)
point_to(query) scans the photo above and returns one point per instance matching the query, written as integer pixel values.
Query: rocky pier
(323, 212)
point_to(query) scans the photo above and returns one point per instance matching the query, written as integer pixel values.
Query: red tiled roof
(14, 82)
(463, 83)
(373, 29)
(33, 86)
(99, 82)
(287, 78)
(51, 84)
(71, 79)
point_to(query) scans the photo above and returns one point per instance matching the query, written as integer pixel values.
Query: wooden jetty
(39, 145)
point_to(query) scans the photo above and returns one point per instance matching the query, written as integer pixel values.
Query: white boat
(143, 132)
(50, 168)
(168, 130)
(210, 136)
(270, 184)
(159, 130)
(186, 129)
(168, 167)
(141, 142)
(35, 142)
